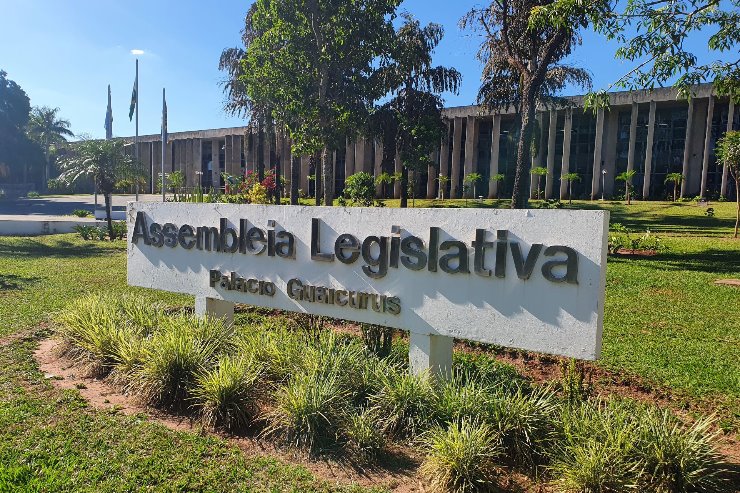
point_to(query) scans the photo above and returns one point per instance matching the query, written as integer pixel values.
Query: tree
(571, 177)
(103, 161)
(539, 172)
(521, 69)
(626, 177)
(312, 61)
(657, 37)
(48, 130)
(16, 149)
(676, 179)
(443, 181)
(473, 179)
(360, 189)
(728, 153)
(415, 108)
(497, 179)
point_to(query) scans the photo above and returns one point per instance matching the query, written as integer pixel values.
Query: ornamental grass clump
(309, 409)
(405, 403)
(185, 346)
(462, 457)
(462, 397)
(364, 439)
(526, 423)
(677, 458)
(596, 448)
(226, 395)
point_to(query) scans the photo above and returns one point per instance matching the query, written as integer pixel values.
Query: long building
(651, 132)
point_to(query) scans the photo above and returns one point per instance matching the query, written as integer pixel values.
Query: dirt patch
(634, 253)
(728, 282)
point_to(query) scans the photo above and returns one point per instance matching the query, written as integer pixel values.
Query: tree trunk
(404, 186)
(108, 214)
(260, 152)
(315, 165)
(627, 191)
(570, 193)
(519, 195)
(328, 166)
(295, 178)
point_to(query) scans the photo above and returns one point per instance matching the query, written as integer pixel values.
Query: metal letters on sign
(531, 279)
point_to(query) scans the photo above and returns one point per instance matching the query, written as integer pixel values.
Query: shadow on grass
(711, 261)
(31, 248)
(11, 282)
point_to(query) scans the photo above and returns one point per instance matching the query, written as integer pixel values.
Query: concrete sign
(530, 279)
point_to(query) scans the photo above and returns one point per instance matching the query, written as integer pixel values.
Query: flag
(134, 97)
(164, 119)
(109, 119)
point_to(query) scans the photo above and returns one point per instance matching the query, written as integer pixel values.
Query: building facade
(651, 132)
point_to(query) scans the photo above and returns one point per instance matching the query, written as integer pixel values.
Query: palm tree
(473, 179)
(497, 178)
(48, 130)
(443, 181)
(626, 177)
(728, 153)
(676, 178)
(103, 161)
(539, 171)
(414, 109)
(571, 177)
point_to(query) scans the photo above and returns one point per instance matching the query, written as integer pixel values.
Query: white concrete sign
(530, 279)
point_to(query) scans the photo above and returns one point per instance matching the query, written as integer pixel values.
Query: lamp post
(603, 181)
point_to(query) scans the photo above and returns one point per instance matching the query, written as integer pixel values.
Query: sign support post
(215, 308)
(432, 353)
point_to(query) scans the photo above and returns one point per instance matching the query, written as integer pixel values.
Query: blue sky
(65, 53)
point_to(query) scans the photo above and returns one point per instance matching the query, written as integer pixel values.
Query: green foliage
(498, 177)
(377, 338)
(225, 395)
(363, 437)
(85, 232)
(405, 403)
(258, 194)
(462, 457)
(728, 153)
(81, 213)
(33, 195)
(623, 238)
(360, 189)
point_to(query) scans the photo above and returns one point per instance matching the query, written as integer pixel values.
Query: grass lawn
(666, 322)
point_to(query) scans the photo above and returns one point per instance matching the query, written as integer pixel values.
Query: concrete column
(216, 163)
(430, 353)
(145, 157)
(471, 149)
(305, 171)
(707, 144)
(432, 175)
(551, 134)
(215, 308)
(236, 154)
(565, 165)
(633, 137)
(176, 155)
(397, 169)
(378, 167)
(455, 171)
(444, 154)
(197, 162)
(493, 164)
(685, 169)
(189, 166)
(363, 156)
(168, 167)
(349, 158)
(156, 163)
(649, 152)
(725, 170)
(596, 178)
(228, 157)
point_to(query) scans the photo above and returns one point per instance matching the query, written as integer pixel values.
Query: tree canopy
(16, 150)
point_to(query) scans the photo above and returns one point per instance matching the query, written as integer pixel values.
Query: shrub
(119, 230)
(525, 422)
(184, 347)
(364, 439)
(308, 409)
(405, 403)
(360, 189)
(33, 195)
(102, 233)
(461, 458)
(226, 395)
(462, 398)
(85, 232)
(81, 213)
(258, 194)
(596, 448)
(678, 458)
(486, 369)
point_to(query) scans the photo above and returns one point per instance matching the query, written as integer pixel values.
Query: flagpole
(136, 138)
(164, 139)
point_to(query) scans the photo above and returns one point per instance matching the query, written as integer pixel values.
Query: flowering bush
(258, 194)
